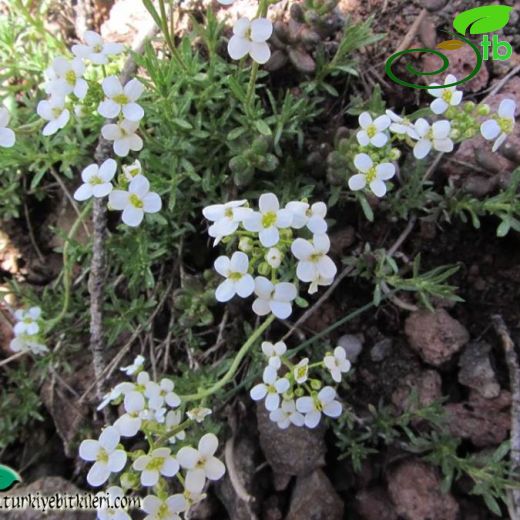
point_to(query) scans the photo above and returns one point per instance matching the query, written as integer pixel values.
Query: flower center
(371, 174)
(268, 219)
(301, 372)
(155, 464)
(56, 112)
(319, 405)
(120, 99)
(506, 124)
(136, 201)
(96, 180)
(371, 130)
(447, 95)
(70, 77)
(163, 512)
(228, 213)
(271, 389)
(102, 456)
(235, 277)
(315, 257)
(201, 463)
(97, 48)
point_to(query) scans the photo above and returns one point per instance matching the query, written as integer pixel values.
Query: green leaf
(8, 477)
(480, 20)
(492, 504)
(262, 127)
(367, 210)
(503, 228)
(151, 9)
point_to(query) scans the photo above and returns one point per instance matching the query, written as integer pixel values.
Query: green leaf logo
(8, 477)
(480, 20)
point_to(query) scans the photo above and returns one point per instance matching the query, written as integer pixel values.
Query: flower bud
(455, 133)
(130, 480)
(274, 257)
(315, 384)
(298, 392)
(245, 244)
(483, 110)
(395, 154)
(264, 269)
(469, 106)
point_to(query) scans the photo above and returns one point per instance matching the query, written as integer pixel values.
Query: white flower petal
(363, 162)
(490, 129)
(357, 182)
(261, 29)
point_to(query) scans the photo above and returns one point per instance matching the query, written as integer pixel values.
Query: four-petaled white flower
(372, 174)
(313, 259)
(108, 458)
(96, 180)
(121, 99)
(273, 352)
(95, 49)
(251, 38)
(135, 367)
(27, 321)
(53, 110)
(337, 363)
(500, 127)
(436, 136)
(271, 388)
(373, 131)
(24, 342)
(159, 462)
(135, 202)
(110, 511)
(268, 220)
(287, 415)
(312, 407)
(68, 78)
(237, 280)
(273, 257)
(130, 423)
(161, 393)
(446, 97)
(164, 509)
(226, 218)
(301, 371)
(401, 125)
(311, 216)
(124, 136)
(7, 136)
(274, 298)
(201, 463)
(198, 414)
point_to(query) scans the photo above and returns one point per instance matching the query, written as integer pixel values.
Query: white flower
(135, 202)
(201, 463)
(132, 170)
(274, 298)
(130, 423)
(172, 420)
(311, 216)
(319, 280)
(54, 111)
(124, 136)
(273, 257)
(250, 38)
(313, 407)
(134, 367)
(67, 78)
(268, 220)
(27, 321)
(237, 280)
(226, 218)
(287, 414)
(313, 259)
(198, 414)
(108, 459)
(446, 97)
(95, 49)
(23, 343)
(158, 394)
(159, 462)
(110, 512)
(271, 388)
(301, 371)
(372, 174)
(373, 131)
(438, 136)
(273, 352)
(193, 486)
(337, 363)
(500, 127)
(7, 137)
(119, 99)
(116, 392)
(96, 180)
(168, 509)
(401, 125)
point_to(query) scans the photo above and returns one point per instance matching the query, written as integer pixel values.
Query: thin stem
(167, 35)
(234, 366)
(66, 267)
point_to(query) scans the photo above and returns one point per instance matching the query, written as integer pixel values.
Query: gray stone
(476, 371)
(381, 350)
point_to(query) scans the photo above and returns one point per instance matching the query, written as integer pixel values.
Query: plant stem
(66, 267)
(244, 349)
(168, 36)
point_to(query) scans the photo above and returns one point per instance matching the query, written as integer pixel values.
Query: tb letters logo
(480, 20)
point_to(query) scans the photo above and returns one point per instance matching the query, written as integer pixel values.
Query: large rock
(486, 422)
(314, 498)
(476, 371)
(294, 451)
(415, 489)
(374, 504)
(435, 336)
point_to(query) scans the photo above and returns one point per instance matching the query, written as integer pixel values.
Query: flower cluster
(376, 155)
(154, 410)
(292, 396)
(267, 236)
(132, 196)
(27, 331)
(7, 137)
